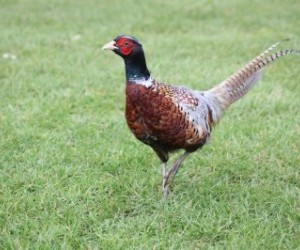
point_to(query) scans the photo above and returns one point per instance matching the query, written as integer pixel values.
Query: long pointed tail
(238, 84)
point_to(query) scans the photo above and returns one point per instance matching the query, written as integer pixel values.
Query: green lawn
(72, 175)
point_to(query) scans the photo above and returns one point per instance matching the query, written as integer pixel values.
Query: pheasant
(169, 118)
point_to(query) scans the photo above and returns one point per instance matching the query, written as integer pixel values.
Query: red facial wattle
(126, 50)
(125, 46)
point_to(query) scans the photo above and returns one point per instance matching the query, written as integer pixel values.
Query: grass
(73, 177)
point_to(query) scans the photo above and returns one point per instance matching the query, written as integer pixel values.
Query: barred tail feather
(238, 84)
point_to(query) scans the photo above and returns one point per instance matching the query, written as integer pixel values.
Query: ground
(72, 175)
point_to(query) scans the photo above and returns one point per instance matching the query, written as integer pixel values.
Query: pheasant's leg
(174, 169)
(164, 173)
(172, 172)
(164, 157)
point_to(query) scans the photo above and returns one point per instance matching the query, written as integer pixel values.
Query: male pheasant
(168, 118)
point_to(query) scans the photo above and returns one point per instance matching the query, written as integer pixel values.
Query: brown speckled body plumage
(169, 118)
(157, 120)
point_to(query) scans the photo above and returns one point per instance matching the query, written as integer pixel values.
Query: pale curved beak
(110, 46)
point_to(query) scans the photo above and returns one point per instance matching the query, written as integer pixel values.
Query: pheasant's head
(132, 52)
(124, 45)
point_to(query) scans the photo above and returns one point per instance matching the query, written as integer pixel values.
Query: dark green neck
(135, 67)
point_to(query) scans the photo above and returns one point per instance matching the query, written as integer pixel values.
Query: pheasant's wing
(196, 107)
